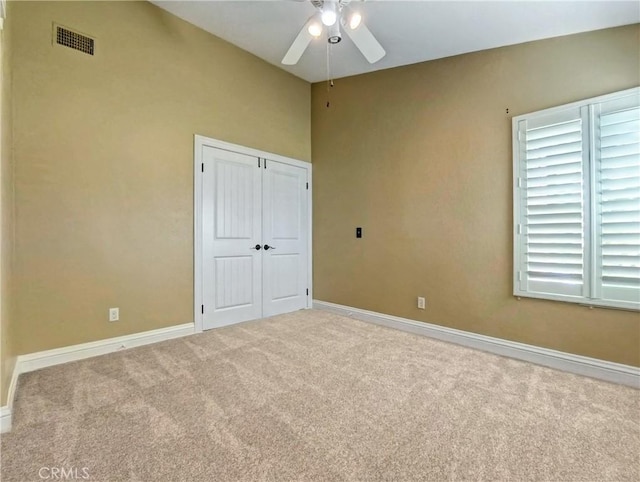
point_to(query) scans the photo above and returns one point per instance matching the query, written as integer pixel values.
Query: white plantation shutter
(551, 224)
(617, 199)
(577, 202)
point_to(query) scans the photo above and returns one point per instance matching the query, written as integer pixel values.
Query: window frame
(587, 109)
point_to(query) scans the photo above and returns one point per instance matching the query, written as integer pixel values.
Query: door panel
(285, 221)
(285, 279)
(234, 276)
(232, 226)
(235, 198)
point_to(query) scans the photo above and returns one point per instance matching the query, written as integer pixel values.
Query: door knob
(267, 247)
(257, 247)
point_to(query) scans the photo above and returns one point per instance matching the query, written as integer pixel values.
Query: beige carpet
(315, 396)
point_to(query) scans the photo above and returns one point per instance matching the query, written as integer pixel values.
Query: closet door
(285, 238)
(231, 232)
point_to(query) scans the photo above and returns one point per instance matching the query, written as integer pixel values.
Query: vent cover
(74, 40)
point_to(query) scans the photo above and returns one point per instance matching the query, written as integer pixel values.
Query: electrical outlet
(114, 314)
(421, 303)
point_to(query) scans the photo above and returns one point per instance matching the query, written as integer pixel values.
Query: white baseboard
(48, 358)
(6, 411)
(5, 419)
(580, 365)
(57, 356)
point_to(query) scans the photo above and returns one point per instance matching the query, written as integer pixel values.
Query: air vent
(74, 40)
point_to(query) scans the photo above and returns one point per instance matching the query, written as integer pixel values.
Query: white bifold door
(255, 228)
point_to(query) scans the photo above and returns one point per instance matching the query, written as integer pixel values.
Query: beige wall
(420, 157)
(7, 349)
(103, 150)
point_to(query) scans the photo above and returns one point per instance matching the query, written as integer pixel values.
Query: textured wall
(103, 150)
(420, 157)
(7, 340)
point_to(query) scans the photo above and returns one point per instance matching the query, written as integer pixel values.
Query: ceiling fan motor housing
(334, 34)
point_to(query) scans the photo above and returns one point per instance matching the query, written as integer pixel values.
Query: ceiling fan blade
(366, 42)
(299, 45)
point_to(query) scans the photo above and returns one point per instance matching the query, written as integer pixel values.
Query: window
(577, 202)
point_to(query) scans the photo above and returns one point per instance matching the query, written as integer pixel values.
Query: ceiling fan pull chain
(328, 66)
(329, 80)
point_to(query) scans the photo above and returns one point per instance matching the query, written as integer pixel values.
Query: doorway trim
(201, 142)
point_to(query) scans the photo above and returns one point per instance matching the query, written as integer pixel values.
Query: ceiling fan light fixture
(355, 20)
(329, 18)
(329, 13)
(315, 29)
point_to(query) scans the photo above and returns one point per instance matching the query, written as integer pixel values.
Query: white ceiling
(410, 31)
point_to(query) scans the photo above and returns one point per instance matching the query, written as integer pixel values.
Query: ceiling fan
(330, 16)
